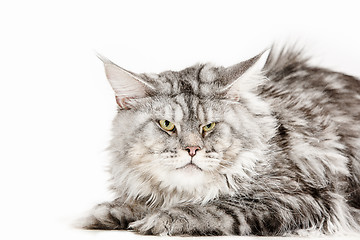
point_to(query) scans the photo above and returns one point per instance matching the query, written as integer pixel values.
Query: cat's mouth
(190, 166)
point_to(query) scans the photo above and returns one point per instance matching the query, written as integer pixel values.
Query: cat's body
(275, 149)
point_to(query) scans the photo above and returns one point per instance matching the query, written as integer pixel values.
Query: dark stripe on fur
(231, 213)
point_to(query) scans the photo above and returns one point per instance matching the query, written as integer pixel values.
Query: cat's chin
(188, 177)
(189, 167)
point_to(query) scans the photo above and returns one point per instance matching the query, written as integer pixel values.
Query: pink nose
(192, 150)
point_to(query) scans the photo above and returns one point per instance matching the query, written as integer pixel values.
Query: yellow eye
(209, 127)
(166, 125)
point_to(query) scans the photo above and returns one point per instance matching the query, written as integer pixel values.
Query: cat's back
(294, 81)
(319, 114)
(296, 86)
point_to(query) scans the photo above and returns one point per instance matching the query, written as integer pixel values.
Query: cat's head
(188, 132)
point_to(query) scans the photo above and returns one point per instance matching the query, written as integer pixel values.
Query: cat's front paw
(106, 216)
(163, 223)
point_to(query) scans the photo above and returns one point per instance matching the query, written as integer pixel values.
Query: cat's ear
(245, 76)
(126, 85)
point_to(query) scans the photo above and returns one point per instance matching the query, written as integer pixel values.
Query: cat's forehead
(186, 107)
(201, 80)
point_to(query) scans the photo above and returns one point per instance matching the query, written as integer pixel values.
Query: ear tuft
(126, 85)
(245, 76)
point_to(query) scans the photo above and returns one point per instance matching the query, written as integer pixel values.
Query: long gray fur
(283, 158)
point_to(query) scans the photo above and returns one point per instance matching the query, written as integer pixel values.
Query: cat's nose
(192, 150)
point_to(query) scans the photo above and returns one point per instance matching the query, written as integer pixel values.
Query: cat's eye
(209, 127)
(167, 125)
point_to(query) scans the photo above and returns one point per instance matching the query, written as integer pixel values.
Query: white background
(56, 106)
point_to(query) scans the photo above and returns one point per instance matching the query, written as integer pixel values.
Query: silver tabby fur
(284, 156)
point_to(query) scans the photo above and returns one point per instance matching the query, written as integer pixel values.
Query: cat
(268, 146)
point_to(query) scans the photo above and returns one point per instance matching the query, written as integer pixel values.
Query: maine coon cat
(269, 146)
